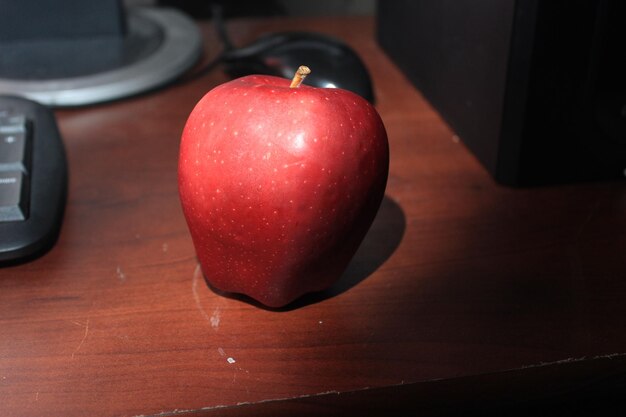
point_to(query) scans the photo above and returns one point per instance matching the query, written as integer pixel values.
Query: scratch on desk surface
(194, 290)
(215, 318)
(577, 359)
(120, 274)
(179, 411)
(83, 339)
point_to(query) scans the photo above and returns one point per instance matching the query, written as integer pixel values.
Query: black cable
(220, 27)
(227, 46)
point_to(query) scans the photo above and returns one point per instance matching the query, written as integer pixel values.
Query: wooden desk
(458, 278)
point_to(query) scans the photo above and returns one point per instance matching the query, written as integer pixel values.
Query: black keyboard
(33, 178)
(14, 166)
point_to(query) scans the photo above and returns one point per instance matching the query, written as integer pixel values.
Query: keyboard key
(12, 148)
(11, 123)
(12, 196)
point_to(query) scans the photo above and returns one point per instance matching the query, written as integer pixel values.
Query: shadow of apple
(380, 242)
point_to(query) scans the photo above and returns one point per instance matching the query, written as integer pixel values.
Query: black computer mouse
(332, 62)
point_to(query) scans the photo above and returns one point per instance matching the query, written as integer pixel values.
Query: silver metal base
(163, 44)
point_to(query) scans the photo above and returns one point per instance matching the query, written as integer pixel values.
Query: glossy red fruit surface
(279, 185)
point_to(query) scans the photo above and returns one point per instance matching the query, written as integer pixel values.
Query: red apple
(280, 184)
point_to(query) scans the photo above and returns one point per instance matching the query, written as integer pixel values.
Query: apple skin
(279, 185)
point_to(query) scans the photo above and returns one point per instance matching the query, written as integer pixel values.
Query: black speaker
(535, 89)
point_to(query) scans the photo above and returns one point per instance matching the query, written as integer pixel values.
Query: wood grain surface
(458, 277)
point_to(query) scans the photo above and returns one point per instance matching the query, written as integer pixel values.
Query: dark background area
(241, 8)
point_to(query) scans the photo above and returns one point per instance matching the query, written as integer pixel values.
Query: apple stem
(299, 76)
